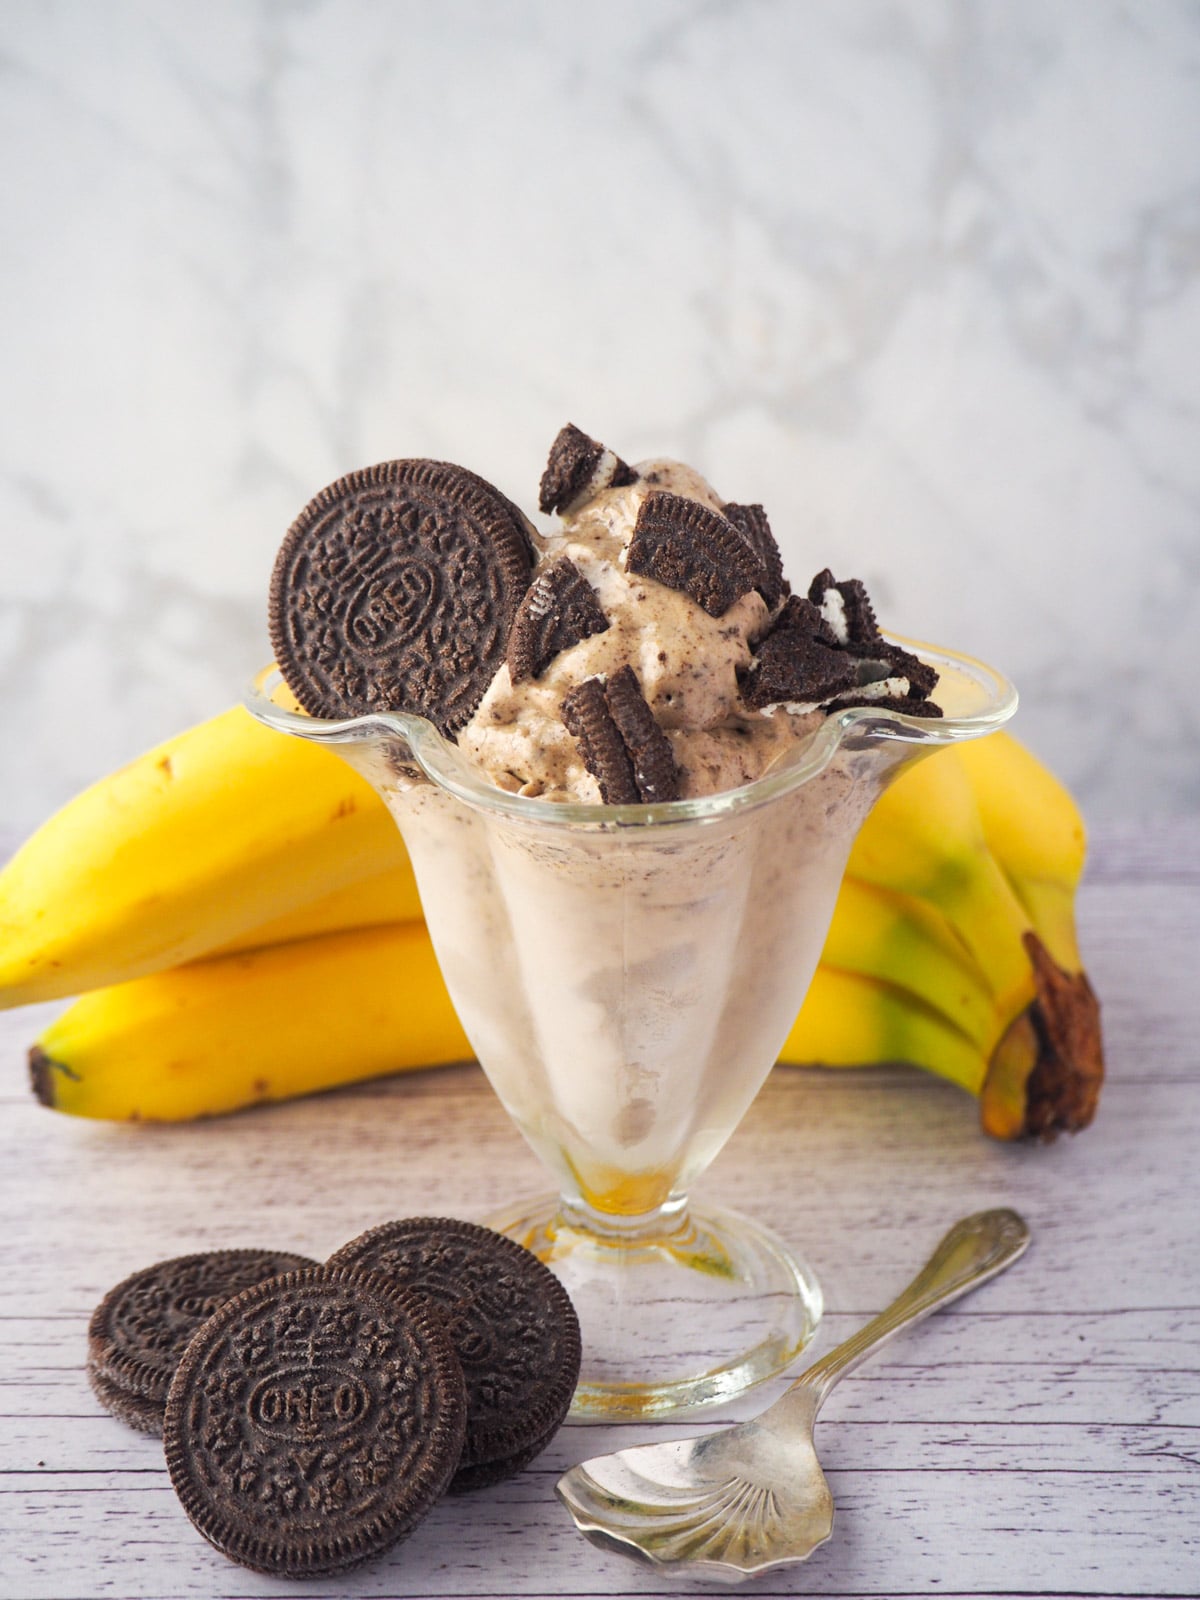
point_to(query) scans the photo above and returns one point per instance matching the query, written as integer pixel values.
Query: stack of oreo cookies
(313, 1414)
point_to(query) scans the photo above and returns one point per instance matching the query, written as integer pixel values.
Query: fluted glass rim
(446, 766)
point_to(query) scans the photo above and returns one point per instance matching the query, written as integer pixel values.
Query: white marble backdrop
(921, 275)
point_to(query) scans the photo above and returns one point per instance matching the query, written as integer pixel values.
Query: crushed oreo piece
(395, 589)
(910, 705)
(686, 546)
(622, 745)
(794, 667)
(560, 609)
(649, 748)
(846, 607)
(800, 615)
(751, 522)
(901, 663)
(586, 715)
(579, 467)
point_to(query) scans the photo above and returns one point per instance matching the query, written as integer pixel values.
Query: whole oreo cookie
(512, 1324)
(314, 1420)
(141, 1328)
(395, 589)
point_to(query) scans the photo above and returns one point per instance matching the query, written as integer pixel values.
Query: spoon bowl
(735, 1504)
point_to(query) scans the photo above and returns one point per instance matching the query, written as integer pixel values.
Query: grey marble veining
(922, 276)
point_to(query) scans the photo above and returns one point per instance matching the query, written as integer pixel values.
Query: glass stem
(667, 1221)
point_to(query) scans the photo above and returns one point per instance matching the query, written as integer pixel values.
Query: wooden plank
(1163, 850)
(896, 1533)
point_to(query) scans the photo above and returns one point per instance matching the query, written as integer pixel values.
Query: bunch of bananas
(237, 911)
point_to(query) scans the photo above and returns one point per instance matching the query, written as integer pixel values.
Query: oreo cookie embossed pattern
(395, 589)
(141, 1328)
(312, 1415)
(512, 1324)
(314, 1420)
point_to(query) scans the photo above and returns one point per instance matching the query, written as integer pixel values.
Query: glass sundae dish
(626, 969)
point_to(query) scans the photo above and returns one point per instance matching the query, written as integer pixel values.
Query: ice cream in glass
(628, 763)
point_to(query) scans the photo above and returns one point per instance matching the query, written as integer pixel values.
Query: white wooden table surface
(1040, 1438)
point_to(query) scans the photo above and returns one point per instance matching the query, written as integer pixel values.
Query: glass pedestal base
(687, 1309)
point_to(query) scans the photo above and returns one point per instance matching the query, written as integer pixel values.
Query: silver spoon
(750, 1498)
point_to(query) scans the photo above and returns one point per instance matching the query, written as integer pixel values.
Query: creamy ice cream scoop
(686, 661)
(692, 641)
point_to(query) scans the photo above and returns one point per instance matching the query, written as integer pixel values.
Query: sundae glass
(626, 975)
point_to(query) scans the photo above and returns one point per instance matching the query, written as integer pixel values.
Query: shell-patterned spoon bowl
(750, 1498)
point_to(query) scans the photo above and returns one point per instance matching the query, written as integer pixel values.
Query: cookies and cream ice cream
(686, 661)
(719, 673)
(650, 649)
(626, 984)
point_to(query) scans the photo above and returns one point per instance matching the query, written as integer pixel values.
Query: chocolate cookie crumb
(751, 522)
(578, 467)
(560, 609)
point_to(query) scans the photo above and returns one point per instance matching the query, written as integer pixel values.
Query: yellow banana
(382, 897)
(226, 826)
(991, 838)
(907, 945)
(1036, 833)
(851, 1020)
(242, 1029)
(1045, 1074)
(239, 1030)
(924, 838)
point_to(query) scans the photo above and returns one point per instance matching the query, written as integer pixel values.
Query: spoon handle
(975, 1249)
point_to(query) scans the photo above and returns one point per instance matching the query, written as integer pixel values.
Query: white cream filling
(603, 472)
(833, 609)
(792, 708)
(881, 689)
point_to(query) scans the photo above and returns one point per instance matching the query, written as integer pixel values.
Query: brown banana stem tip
(42, 1069)
(1064, 1086)
(1045, 1076)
